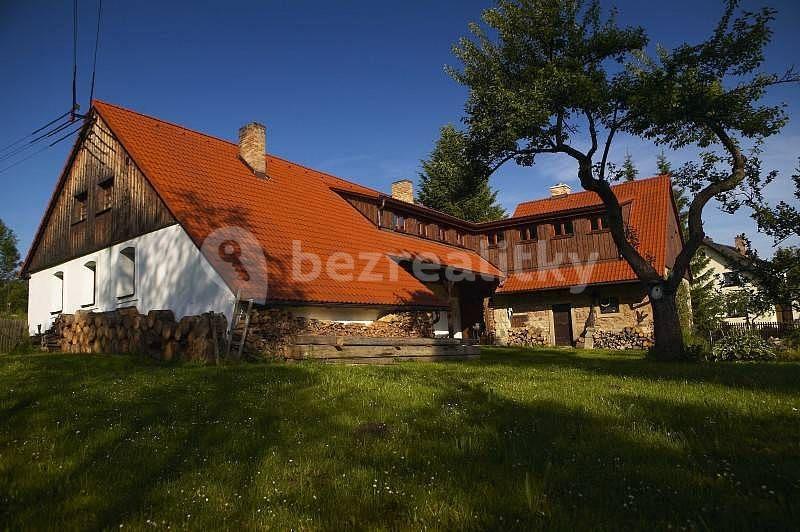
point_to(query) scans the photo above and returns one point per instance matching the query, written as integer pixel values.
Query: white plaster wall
(171, 273)
(719, 265)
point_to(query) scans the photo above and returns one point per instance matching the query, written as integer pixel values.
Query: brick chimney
(403, 190)
(560, 189)
(253, 147)
(740, 243)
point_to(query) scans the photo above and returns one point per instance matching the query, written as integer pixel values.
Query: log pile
(627, 338)
(156, 334)
(526, 337)
(272, 331)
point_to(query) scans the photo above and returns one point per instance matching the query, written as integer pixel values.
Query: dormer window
(529, 232)
(422, 229)
(442, 234)
(459, 238)
(398, 222)
(80, 207)
(105, 194)
(599, 223)
(563, 228)
(496, 238)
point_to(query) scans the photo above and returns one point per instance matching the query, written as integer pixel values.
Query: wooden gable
(102, 199)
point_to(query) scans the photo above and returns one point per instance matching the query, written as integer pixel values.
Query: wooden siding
(135, 208)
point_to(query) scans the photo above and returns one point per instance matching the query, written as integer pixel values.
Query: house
(150, 214)
(729, 265)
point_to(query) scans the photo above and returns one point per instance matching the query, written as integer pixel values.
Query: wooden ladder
(237, 338)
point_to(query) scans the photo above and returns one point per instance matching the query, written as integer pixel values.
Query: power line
(74, 57)
(24, 138)
(35, 141)
(37, 152)
(96, 46)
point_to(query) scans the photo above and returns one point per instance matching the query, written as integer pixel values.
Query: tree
(13, 290)
(552, 74)
(451, 183)
(629, 171)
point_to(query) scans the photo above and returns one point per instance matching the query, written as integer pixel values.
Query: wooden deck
(363, 350)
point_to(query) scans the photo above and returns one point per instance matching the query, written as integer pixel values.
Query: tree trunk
(667, 329)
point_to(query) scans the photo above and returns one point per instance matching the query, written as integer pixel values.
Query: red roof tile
(207, 187)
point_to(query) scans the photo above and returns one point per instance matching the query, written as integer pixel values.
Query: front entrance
(562, 324)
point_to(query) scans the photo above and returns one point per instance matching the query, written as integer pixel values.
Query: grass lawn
(519, 439)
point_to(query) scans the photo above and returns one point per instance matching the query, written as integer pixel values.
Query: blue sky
(355, 88)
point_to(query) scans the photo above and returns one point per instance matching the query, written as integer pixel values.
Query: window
(599, 223)
(496, 238)
(79, 207)
(57, 293)
(529, 232)
(609, 305)
(732, 279)
(459, 238)
(398, 222)
(126, 280)
(91, 284)
(105, 195)
(563, 228)
(442, 234)
(422, 229)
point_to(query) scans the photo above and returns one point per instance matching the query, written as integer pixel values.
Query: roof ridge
(613, 187)
(232, 143)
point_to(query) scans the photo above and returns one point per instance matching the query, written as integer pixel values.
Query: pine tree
(629, 170)
(451, 183)
(13, 290)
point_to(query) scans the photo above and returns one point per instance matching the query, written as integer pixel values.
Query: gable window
(732, 279)
(496, 238)
(80, 207)
(90, 287)
(529, 232)
(599, 223)
(104, 196)
(126, 274)
(398, 222)
(609, 305)
(564, 228)
(57, 293)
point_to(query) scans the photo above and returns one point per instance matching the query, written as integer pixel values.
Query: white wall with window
(160, 270)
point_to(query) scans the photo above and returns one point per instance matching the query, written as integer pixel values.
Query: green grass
(517, 440)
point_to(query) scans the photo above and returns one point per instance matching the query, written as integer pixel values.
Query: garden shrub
(741, 347)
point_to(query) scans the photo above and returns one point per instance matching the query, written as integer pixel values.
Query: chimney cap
(560, 189)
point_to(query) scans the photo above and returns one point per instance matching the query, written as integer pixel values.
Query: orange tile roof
(207, 187)
(651, 206)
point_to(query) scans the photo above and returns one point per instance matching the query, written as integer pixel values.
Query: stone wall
(531, 320)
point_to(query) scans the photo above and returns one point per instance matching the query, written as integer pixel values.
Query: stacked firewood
(156, 334)
(271, 331)
(627, 338)
(526, 336)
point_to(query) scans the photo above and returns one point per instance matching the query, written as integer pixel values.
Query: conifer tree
(451, 183)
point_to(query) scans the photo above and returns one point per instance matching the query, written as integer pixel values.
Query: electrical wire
(74, 58)
(22, 139)
(96, 46)
(35, 141)
(37, 152)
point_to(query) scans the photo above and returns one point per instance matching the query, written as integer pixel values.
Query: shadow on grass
(93, 442)
(781, 377)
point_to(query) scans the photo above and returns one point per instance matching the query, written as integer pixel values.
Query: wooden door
(562, 321)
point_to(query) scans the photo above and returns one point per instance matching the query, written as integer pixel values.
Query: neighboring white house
(723, 260)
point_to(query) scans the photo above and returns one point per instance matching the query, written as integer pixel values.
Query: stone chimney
(253, 147)
(403, 190)
(740, 243)
(560, 189)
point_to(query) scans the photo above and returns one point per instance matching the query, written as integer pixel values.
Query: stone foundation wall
(531, 322)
